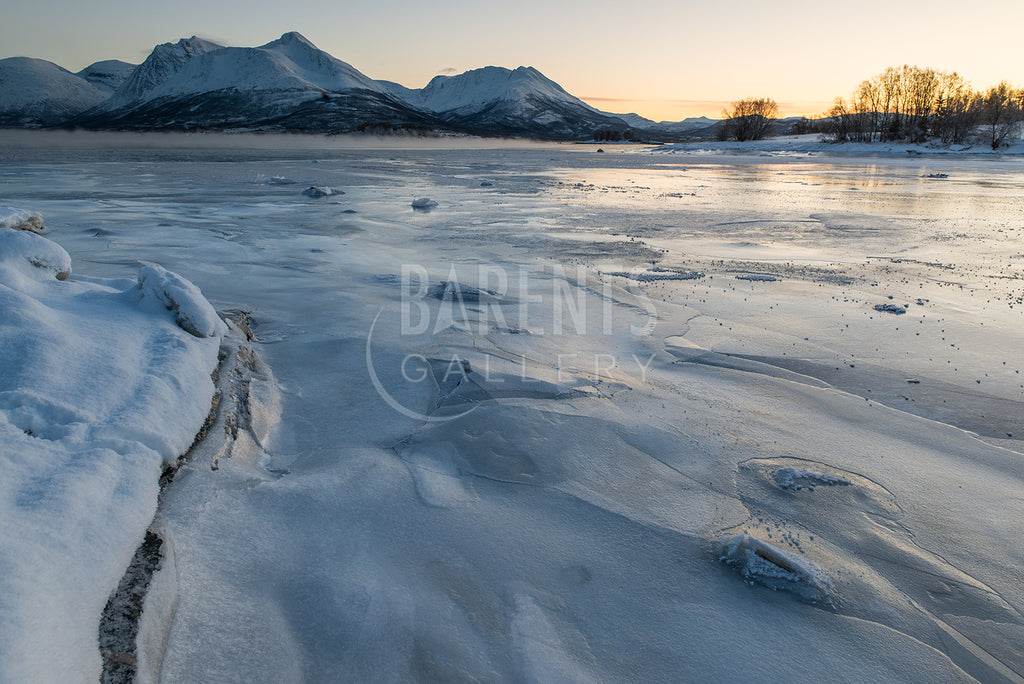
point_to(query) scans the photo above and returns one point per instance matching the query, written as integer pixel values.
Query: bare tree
(749, 119)
(956, 112)
(1000, 113)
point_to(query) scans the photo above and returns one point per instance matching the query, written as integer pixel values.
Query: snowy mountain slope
(475, 90)
(163, 63)
(636, 121)
(287, 84)
(290, 63)
(34, 92)
(690, 124)
(107, 75)
(268, 111)
(519, 101)
(291, 85)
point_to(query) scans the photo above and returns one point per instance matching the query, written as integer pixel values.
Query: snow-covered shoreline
(100, 388)
(816, 144)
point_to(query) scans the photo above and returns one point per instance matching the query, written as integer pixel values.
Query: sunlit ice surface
(594, 417)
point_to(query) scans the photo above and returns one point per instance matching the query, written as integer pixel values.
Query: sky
(663, 59)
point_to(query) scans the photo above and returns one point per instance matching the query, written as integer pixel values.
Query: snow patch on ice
(424, 203)
(191, 310)
(319, 191)
(791, 478)
(27, 252)
(96, 395)
(21, 219)
(775, 568)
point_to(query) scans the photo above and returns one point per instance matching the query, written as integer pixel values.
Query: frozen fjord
(568, 527)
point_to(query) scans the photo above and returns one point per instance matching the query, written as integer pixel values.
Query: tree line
(901, 104)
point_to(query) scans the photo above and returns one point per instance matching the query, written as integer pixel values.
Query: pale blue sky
(665, 59)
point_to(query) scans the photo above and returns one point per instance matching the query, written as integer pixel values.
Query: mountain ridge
(289, 84)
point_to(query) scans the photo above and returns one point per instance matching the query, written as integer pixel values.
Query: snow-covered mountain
(691, 124)
(34, 92)
(291, 85)
(508, 101)
(107, 75)
(287, 84)
(162, 65)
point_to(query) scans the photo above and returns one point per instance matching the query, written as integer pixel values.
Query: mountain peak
(291, 41)
(165, 61)
(470, 91)
(107, 75)
(34, 92)
(296, 37)
(191, 46)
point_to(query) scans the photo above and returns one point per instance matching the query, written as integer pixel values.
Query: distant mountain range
(289, 85)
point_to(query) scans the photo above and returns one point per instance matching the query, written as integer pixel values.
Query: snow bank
(97, 393)
(191, 310)
(21, 219)
(23, 252)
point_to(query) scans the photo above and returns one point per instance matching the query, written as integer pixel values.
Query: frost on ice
(97, 393)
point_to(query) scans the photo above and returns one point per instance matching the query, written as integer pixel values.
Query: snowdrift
(102, 383)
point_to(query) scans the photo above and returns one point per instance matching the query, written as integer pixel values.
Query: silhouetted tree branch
(748, 119)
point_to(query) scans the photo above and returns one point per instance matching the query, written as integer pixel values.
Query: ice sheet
(533, 485)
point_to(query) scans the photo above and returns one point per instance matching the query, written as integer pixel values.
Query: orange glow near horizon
(677, 110)
(663, 59)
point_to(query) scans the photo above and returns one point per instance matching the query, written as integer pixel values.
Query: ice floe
(424, 203)
(320, 191)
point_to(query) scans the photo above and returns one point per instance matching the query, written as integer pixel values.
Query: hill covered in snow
(34, 92)
(291, 85)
